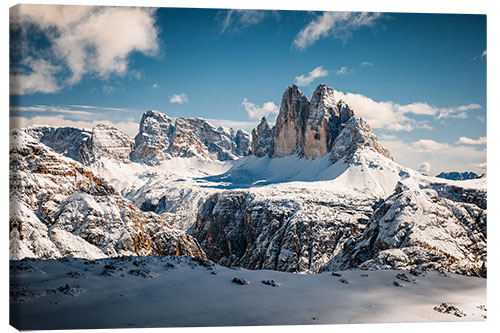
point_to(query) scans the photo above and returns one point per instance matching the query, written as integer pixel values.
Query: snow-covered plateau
(315, 193)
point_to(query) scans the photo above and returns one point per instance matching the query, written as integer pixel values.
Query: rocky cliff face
(160, 138)
(312, 129)
(355, 135)
(439, 226)
(85, 146)
(61, 208)
(239, 228)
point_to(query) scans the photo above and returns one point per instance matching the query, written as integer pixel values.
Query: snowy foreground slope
(179, 291)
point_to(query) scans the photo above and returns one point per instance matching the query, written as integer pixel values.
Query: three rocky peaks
(314, 128)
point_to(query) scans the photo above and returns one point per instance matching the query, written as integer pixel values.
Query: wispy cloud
(482, 165)
(237, 20)
(235, 124)
(256, 112)
(469, 141)
(107, 89)
(82, 40)
(366, 64)
(425, 167)
(306, 79)
(100, 108)
(179, 99)
(49, 109)
(456, 112)
(339, 25)
(483, 55)
(155, 86)
(342, 71)
(128, 126)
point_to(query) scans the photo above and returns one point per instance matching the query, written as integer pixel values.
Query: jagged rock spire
(262, 139)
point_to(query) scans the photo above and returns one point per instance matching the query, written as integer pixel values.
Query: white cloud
(244, 125)
(482, 165)
(456, 112)
(236, 20)
(429, 146)
(304, 80)
(129, 127)
(155, 86)
(51, 109)
(40, 78)
(425, 167)
(394, 117)
(338, 25)
(107, 89)
(47, 16)
(483, 54)
(398, 127)
(377, 114)
(418, 108)
(179, 98)
(256, 112)
(342, 71)
(85, 40)
(468, 141)
(366, 63)
(387, 137)
(440, 156)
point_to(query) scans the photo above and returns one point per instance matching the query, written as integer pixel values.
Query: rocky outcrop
(289, 129)
(153, 139)
(85, 146)
(60, 208)
(440, 227)
(237, 228)
(262, 139)
(160, 138)
(355, 135)
(63, 140)
(106, 142)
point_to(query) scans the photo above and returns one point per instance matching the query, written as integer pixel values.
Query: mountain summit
(314, 128)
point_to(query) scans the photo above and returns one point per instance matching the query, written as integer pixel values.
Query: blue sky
(418, 79)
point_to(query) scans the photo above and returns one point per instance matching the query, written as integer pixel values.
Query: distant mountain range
(458, 175)
(315, 192)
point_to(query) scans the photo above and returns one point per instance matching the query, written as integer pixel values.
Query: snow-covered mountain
(161, 138)
(60, 208)
(317, 192)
